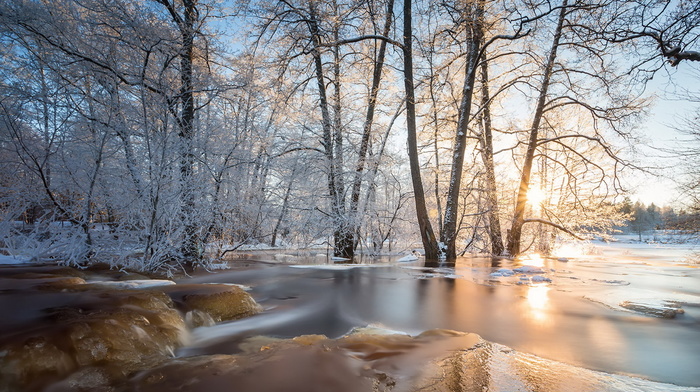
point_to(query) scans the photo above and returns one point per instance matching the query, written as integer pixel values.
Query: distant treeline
(644, 217)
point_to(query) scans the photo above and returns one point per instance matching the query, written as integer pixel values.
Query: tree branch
(362, 38)
(556, 226)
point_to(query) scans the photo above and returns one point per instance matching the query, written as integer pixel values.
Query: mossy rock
(222, 302)
(118, 331)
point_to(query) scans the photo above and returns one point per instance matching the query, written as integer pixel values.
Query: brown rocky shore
(93, 329)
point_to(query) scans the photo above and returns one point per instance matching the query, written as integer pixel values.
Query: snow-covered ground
(4, 260)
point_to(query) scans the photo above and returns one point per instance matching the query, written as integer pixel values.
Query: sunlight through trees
(167, 133)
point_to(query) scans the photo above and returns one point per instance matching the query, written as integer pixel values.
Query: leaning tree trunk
(426, 230)
(448, 236)
(516, 229)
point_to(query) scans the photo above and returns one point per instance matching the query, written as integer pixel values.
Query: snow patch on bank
(134, 284)
(407, 258)
(336, 267)
(8, 260)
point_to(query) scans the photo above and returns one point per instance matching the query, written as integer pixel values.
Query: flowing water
(610, 317)
(625, 310)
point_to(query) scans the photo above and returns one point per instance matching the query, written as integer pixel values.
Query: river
(624, 309)
(616, 317)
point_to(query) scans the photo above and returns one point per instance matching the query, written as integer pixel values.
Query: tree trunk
(191, 245)
(486, 141)
(344, 235)
(342, 238)
(515, 233)
(448, 236)
(436, 152)
(426, 230)
(369, 120)
(285, 206)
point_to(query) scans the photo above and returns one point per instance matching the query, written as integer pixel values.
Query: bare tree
(430, 246)
(654, 29)
(187, 17)
(487, 156)
(519, 216)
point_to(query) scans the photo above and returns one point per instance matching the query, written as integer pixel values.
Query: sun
(535, 196)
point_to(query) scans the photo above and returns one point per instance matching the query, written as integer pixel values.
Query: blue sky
(661, 130)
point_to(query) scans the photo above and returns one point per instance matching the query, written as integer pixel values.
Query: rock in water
(62, 331)
(354, 363)
(119, 331)
(222, 302)
(663, 311)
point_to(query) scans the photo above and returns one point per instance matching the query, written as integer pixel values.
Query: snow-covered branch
(558, 227)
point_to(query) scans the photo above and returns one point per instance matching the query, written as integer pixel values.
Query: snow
(337, 267)
(522, 278)
(408, 258)
(505, 272)
(529, 269)
(646, 298)
(375, 329)
(240, 286)
(334, 258)
(502, 272)
(418, 251)
(218, 266)
(13, 259)
(135, 284)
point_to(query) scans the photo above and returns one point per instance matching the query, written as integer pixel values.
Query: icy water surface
(625, 310)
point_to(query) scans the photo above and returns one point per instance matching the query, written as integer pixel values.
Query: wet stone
(663, 311)
(197, 318)
(39, 271)
(40, 282)
(308, 363)
(63, 333)
(221, 302)
(36, 357)
(120, 331)
(89, 379)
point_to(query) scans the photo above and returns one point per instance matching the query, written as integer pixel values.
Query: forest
(162, 134)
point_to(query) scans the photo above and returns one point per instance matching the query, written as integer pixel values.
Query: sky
(661, 131)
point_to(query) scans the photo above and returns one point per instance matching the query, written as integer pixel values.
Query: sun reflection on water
(569, 250)
(538, 300)
(533, 259)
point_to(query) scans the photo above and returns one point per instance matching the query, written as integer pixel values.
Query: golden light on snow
(535, 196)
(569, 250)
